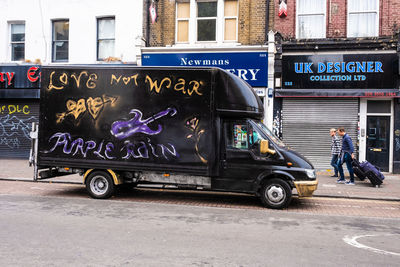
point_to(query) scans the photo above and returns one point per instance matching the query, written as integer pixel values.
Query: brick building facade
(252, 22)
(336, 18)
(318, 44)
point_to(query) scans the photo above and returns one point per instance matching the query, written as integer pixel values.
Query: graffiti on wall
(14, 131)
(11, 109)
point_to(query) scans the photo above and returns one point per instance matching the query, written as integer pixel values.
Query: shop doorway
(378, 141)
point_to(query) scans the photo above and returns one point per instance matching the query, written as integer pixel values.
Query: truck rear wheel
(276, 194)
(99, 184)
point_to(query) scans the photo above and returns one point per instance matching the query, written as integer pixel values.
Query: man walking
(335, 150)
(346, 155)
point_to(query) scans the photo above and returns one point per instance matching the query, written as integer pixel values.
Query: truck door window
(236, 135)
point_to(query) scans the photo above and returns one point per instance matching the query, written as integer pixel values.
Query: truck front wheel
(276, 193)
(99, 184)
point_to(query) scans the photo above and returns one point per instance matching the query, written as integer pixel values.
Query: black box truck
(190, 127)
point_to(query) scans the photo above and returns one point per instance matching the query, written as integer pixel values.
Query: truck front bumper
(306, 188)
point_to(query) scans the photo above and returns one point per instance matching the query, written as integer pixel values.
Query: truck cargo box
(130, 118)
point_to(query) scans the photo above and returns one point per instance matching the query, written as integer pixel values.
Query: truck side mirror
(264, 148)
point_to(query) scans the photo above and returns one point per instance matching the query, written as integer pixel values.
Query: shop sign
(340, 71)
(250, 66)
(26, 76)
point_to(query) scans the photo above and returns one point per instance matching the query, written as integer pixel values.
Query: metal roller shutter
(306, 123)
(16, 117)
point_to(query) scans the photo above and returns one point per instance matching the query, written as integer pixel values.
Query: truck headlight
(310, 173)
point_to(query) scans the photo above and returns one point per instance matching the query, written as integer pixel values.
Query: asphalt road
(44, 230)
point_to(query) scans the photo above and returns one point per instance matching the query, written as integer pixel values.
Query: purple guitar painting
(124, 129)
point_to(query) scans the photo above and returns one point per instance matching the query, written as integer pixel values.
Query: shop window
(206, 21)
(311, 19)
(379, 106)
(60, 40)
(182, 22)
(363, 18)
(17, 41)
(230, 19)
(105, 38)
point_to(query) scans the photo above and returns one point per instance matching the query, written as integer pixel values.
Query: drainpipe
(147, 29)
(267, 21)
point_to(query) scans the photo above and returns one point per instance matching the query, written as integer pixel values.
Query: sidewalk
(19, 170)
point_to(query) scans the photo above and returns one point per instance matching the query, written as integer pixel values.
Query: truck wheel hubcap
(275, 194)
(99, 185)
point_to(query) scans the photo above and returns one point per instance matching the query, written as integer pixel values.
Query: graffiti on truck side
(181, 85)
(192, 124)
(107, 150)
(85, 79)
(123, 129)
(93, 106)
(60, 81)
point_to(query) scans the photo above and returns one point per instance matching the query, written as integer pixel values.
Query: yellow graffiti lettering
(125, 79)
(26, 110)
(180, 86)
(195, 87)
(154, 85)
(91, 82)
(63, 79)
(78, 79)
(114, 78)
(12, 109)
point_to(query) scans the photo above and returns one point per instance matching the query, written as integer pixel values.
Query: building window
(311, 22)
(200, 21)
(105, 38)
(182, 22)
(60, 40)
(230, 19)
(363, 18)
(17, 41)
(206, 21)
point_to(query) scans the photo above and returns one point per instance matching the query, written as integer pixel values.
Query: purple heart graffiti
(124, 129)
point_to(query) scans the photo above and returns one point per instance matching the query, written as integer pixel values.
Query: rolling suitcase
(373, 174)
(358, 171)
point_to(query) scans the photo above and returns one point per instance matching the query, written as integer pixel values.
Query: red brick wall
(336, 18)
(389, 17)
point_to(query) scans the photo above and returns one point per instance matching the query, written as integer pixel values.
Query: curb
(39, 181)
(358, 198)
(315, 195)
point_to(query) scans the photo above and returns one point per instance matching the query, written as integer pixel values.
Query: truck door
(241, 161)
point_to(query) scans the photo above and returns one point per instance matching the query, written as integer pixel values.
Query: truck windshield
(268, 133)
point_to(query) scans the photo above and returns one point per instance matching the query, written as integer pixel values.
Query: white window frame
(98, 19)
(10, 23)
(217, 21)
(363, 12)
(305, 14)
(220, 27)
(237, 24)
(53, 41)
(182, 19)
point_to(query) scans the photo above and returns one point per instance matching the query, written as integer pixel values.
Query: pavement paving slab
(19, 170)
